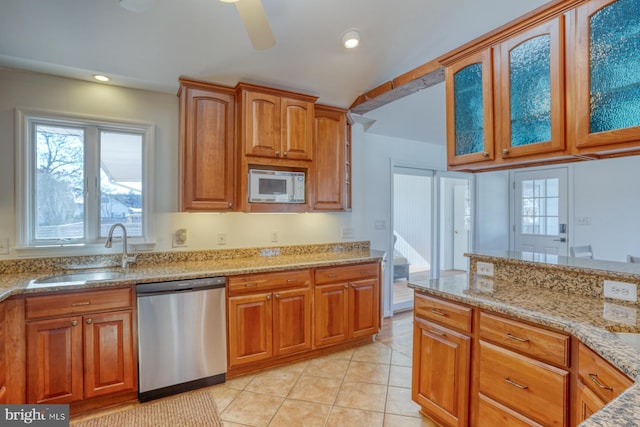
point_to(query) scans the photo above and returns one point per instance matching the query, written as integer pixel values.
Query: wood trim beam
(419, 78)
(432, 72)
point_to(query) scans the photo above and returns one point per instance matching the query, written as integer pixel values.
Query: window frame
(26, 121)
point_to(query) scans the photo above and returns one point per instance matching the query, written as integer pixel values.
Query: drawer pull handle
(332, 275)
(364, 272)
(594, 378)
(515, 384)
(438, 312)
(292, 280)
(74, 323)
(513, 337)
(77, 304)
(433, 331)
(250, 285)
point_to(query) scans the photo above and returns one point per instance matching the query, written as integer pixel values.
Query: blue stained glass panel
(614, 54)
(469, 112)
(530, 91)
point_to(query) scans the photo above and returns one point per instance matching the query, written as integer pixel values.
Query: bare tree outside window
(59, 195)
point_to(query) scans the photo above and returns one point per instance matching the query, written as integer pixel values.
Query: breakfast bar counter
(521, 289)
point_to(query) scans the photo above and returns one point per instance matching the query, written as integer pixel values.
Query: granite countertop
(23, 282)
(592, 320)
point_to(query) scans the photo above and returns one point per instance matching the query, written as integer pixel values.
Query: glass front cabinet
(469, 92)
(607, 76)
(531, 92)
(561, 84)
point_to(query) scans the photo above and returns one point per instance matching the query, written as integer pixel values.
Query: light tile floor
(368, 386)
(364, 387)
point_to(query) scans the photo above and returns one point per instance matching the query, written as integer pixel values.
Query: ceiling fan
(251, 12)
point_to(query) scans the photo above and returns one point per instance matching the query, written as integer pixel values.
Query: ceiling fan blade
(256, 23)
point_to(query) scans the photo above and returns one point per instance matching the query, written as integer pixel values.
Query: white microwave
(271, 186)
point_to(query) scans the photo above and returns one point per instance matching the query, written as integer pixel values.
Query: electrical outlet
(274, 236)
(347, 233)
(222, 238)
(484, 285)
(4, 245)
(621, 290)
(485, 268)
(179, 238)
(619, 314)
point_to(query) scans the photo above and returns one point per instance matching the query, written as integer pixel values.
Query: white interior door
(540, 211)
(461, 225)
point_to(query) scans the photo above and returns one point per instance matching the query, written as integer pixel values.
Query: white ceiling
(206, 40)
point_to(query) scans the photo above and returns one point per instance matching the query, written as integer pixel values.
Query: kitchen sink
(77, 278)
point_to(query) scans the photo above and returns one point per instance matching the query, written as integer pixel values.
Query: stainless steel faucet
(126, 258)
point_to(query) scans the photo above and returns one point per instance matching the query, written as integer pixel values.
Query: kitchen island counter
(593, 320)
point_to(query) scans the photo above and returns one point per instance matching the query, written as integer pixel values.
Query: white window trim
(23, 177)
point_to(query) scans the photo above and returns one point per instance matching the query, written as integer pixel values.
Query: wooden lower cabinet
(81, 356)
(440, 377)
(346, 303)
(269, 324)
(3, 353)
(598, 383)
(534, 389)
(587, 402)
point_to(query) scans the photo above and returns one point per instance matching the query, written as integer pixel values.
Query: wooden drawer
(599, 375)
(530, 387)
(443, 312)
(78, 303)
(491, 413)
(548, 346)
(268, 281)
(342, 274)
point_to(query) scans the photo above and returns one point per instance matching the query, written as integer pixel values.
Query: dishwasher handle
(189, 285)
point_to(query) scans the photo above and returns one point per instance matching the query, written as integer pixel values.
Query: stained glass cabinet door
(532, 113)
(469, 87)
(607, 75)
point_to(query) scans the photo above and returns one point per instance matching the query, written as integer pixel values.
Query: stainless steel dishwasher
(181, 336)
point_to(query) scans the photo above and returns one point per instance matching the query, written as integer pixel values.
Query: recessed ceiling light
(351, 39)
(101, 77)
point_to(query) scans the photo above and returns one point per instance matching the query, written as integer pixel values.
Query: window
(540, 206)
(78, 177)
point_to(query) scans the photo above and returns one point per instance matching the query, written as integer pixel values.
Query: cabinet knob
(230, 204)
(505, 151)
(285, 154)
(277, 154)
(277, 296)
(269, 297)
(346, 286)
(74, 323)
(485, 154)
(353, 285)
(89, 321)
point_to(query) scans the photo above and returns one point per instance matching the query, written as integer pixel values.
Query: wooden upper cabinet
(329, 190)
(276, 124)
(469, 96)
(297, 129)
(262, 124)
(606, 76)
(207, 147)
(531, 112)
